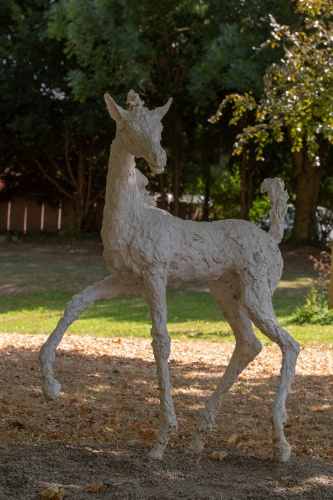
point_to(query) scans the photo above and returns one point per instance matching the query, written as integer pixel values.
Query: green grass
(191, 315)
(36, 282)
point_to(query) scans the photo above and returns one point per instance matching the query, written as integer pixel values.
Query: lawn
(38, 280)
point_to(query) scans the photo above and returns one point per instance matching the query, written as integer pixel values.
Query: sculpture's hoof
(51, 389)
(196, 445)
(281, 451)
(157, 452)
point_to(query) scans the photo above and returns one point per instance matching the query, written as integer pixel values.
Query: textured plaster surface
(145, 248)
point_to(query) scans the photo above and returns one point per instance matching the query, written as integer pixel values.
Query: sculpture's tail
(278, 199)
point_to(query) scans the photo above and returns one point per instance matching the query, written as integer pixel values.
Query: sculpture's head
(140, 129)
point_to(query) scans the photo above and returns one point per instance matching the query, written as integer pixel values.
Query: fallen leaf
(61, 494)
(134, 425)
(253, 397)
(148, 433)
(320, 408)
(54, 435)
(218, 455)
(96, 488)
(233, 439)
(306, 450)
(49, 493)
(54, 493)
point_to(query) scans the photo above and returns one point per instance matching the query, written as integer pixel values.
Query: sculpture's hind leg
(155, 285)
(101, 290)
(260, 309)
(227, 292)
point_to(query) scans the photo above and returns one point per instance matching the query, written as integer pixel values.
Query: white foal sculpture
(145, 247)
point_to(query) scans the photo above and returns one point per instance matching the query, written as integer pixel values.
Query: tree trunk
(207, 194)
(81, 204)
(246, 183)
(308, 184)
(82, 182)
(176, 173)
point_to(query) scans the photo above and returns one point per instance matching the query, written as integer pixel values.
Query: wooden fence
(24, 214)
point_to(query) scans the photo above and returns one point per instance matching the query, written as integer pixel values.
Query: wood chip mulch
(110, 395)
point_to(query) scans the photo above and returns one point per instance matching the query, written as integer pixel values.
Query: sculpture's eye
(134, 134)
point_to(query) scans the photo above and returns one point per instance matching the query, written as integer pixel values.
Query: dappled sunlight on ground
(110, 394)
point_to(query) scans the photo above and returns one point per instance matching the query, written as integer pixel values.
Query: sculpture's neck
(121, 188)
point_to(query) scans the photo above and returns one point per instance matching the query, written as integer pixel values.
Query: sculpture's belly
(207, 250)
(195, 266)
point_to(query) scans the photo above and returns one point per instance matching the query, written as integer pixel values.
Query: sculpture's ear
(160, 112)
(116, 112)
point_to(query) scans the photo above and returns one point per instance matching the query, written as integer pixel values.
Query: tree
(229, 64)
(183, 49)
(49, 143)
(297, 104)
(53, 120)
(149, 47)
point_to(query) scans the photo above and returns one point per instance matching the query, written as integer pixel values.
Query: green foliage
(225, 192)
(52, 121)
(118, 45)
(296, 104)
(50, 145)
(297, 91)
(315, 310)
(228, 62)
(260, 207)
(102, 40)
(185, 49)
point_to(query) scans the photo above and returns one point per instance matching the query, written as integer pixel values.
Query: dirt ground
(93, 441)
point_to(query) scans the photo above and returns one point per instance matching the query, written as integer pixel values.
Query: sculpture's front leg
(155, 280)
(106, 289)
(76, 306)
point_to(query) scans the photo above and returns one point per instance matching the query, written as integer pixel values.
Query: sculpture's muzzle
(157, 161)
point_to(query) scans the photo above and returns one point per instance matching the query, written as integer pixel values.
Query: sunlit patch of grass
(191, 315)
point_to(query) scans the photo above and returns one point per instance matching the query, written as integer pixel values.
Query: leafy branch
(297, 95)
